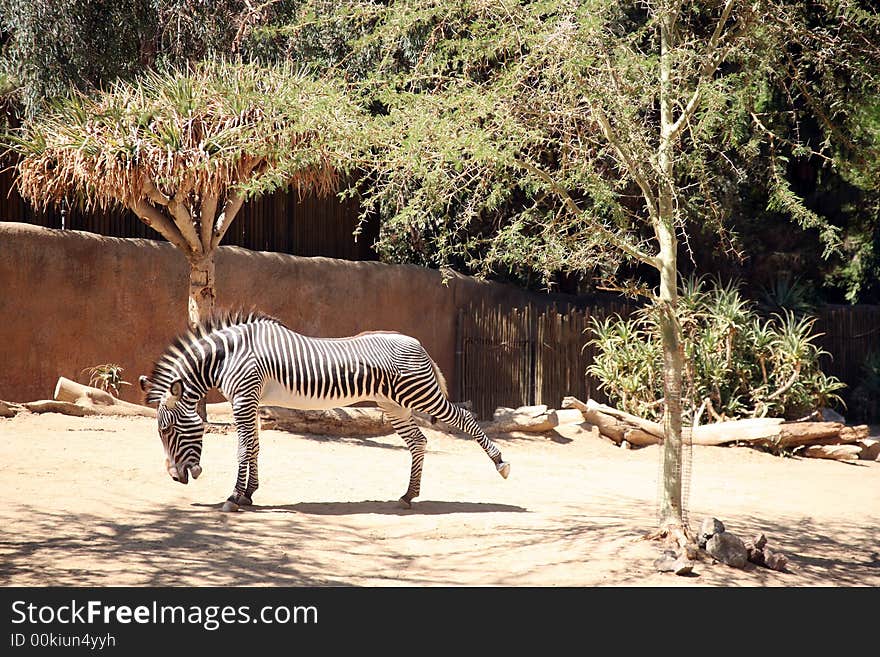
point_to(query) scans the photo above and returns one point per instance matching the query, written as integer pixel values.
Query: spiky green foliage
(745, 364)
(106, 377)
(184, 149)
(215, 131)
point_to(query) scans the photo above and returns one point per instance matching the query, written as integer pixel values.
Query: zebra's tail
(441, 380)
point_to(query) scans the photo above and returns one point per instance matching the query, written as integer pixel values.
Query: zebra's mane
(165, 367)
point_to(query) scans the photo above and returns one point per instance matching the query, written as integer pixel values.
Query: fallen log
(609, 426)
(653, 428)
(750, 430)
(616, 423)
(854, 433)
(98, 401)
(348, 421)
(836, 452)
(54, 406)
(764, 432)
(805, 433)
(531, 419)
(870, 449)
(8, 409)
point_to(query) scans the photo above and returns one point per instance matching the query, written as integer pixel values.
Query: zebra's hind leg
(464, 421)
(403, 423)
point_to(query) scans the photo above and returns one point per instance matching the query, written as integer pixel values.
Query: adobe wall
(70, 300)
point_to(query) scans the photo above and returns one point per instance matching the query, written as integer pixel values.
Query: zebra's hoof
(404, 503)
(503, 469)
(245, 501)
(229, 506)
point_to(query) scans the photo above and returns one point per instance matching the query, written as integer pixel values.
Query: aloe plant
(746, 365)
(106, 377)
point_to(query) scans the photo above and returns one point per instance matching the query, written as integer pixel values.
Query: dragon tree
(184, 150)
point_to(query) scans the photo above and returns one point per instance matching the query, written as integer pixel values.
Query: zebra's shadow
(383, 507)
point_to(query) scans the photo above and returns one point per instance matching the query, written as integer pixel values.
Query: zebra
(254, 359)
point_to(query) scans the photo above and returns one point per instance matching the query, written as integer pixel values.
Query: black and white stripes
(254, 359)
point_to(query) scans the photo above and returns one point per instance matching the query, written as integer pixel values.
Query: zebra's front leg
(246, 480)
(416, 445)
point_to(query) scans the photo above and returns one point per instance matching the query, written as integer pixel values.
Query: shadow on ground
(392, 508)
(199, 546)
(170, 547)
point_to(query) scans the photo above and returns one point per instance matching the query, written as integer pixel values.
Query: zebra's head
(180, 428)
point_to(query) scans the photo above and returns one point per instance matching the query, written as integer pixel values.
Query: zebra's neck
(200, 362)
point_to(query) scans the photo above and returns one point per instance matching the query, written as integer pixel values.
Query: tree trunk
(201, 301)
(671, 512)
(201, 288)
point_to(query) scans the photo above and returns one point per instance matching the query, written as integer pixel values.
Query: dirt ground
(88, 503)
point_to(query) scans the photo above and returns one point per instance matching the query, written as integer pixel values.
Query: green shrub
(744, 364)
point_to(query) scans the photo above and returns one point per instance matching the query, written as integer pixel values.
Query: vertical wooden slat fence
(280, 222)
(851, 334)
(523, 356)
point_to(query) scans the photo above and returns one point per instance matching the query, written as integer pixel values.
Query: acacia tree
(585, 135)
(184, 150)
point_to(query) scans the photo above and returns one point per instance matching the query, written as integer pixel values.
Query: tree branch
(794, 74)
(154, 194)
(711, 61)
(788, 384)
(206, 218)
(156, 219)
(183, 219)
(629, 161)
(230, 209)
(235, 200)
(573, 207)
(783, 140)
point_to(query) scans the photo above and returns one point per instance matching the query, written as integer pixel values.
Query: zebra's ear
(175, 392)
(145, 384)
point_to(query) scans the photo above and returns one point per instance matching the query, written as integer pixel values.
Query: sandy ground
(88, 503)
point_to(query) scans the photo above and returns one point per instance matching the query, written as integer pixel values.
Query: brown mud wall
(70, 300)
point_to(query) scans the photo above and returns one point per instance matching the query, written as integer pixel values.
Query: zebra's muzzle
(182, 473)
(178, 473)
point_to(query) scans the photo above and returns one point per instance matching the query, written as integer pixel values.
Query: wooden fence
(281, 222)
(850, 334)
(523, 356)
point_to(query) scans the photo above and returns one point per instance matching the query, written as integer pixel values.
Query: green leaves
(460, 91)
(745, 364)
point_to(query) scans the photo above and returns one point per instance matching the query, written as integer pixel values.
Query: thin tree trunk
(671, 512)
